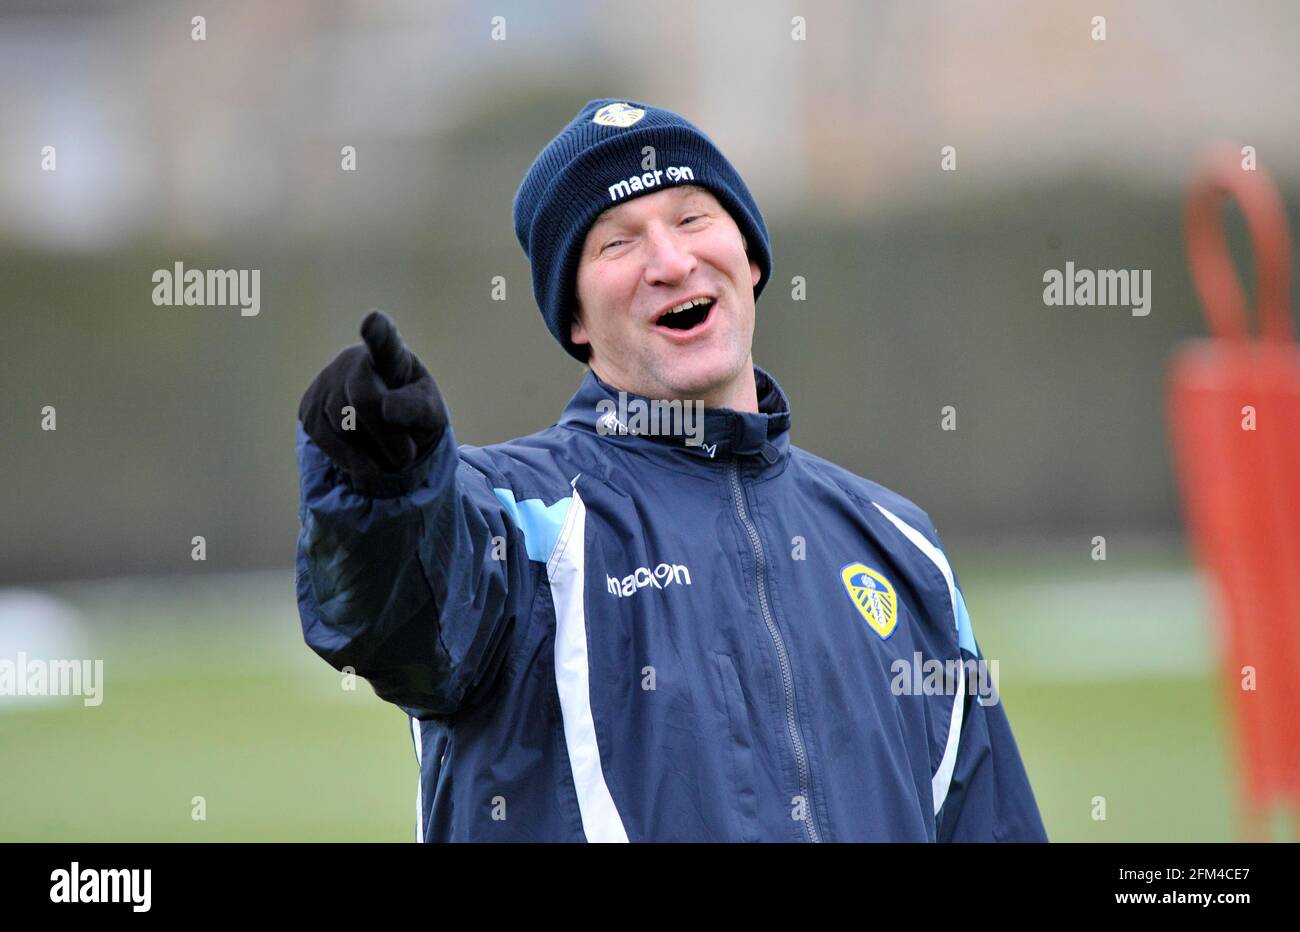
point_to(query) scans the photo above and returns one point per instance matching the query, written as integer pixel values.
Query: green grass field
(1106, 672)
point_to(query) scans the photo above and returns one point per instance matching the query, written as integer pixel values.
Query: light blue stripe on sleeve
(965, 636)
(540, 523)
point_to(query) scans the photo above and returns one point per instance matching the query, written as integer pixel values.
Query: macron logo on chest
(662, 576)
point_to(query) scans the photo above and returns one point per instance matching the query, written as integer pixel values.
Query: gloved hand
(398, 413)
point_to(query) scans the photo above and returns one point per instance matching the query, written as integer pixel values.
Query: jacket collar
(716, 434)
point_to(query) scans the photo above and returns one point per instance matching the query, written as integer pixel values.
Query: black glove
(398, 414)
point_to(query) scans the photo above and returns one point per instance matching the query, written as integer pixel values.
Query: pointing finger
(388, 355)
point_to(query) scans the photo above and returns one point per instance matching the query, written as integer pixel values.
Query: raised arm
(409, 570)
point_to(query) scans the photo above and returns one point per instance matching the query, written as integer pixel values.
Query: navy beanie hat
(595, 163)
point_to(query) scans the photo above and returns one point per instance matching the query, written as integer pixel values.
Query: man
(656, 619)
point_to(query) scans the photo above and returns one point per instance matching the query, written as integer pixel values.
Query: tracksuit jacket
(609, 635)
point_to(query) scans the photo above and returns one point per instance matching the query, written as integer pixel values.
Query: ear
(577, 332)
(755, 273)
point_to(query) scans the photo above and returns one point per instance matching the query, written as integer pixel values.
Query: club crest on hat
(872, 596)
(617, 115)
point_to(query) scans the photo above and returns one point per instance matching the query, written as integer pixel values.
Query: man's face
(644, 257)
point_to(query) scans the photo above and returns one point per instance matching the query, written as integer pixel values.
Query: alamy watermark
(933, 677)
(1104, 287)
(179, 286)
(30, 676)
(77, 884)
(652, 417)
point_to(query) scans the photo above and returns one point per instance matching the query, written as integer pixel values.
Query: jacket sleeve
(414, 582)
(989, 798)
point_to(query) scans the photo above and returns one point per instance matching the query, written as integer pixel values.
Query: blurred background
(923, 289)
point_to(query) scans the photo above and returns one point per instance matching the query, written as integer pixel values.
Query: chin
(695, 378)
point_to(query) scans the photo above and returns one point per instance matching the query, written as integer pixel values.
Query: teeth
(687, 305)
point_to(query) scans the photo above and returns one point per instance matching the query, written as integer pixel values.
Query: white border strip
(419, 780)
(567, 574)
(942, 778)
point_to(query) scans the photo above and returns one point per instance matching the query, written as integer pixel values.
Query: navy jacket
(608, 635)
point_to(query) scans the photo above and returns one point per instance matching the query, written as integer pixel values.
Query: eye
(693, 217)
(613, 242)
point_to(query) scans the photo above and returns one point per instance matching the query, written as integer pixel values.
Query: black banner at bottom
(353, 880)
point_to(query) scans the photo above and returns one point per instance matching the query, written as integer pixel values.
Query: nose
(669, 260)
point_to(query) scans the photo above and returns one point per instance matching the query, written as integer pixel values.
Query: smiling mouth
(686, 320)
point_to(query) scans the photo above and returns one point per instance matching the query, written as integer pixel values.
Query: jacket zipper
(787, 678)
